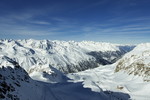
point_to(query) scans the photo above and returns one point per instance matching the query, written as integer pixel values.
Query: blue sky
(117, 21)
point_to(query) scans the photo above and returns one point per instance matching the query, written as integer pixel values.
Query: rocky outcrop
(11, 78)
(136, 62)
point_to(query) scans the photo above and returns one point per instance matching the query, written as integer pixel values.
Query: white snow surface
(141, 53)
(103, 78)
(136, 61)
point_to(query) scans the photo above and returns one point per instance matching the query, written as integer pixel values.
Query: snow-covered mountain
(136, 62)
(16, 84)
(45, 63)
(65, 56)
(130, 74)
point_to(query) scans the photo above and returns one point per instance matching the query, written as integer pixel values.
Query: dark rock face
(81, 66)
(135, 68)
(6, 90)
(108, 57)
(10, 78)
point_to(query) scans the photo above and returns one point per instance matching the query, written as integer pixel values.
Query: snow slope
(15, 84)
(136, 62)
(103, 78)
(130, 74)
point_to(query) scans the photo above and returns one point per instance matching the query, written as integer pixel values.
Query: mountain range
(104, 70)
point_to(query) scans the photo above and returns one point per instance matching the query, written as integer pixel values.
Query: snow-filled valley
(60, 70)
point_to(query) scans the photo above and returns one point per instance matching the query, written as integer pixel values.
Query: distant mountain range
(65, 56)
